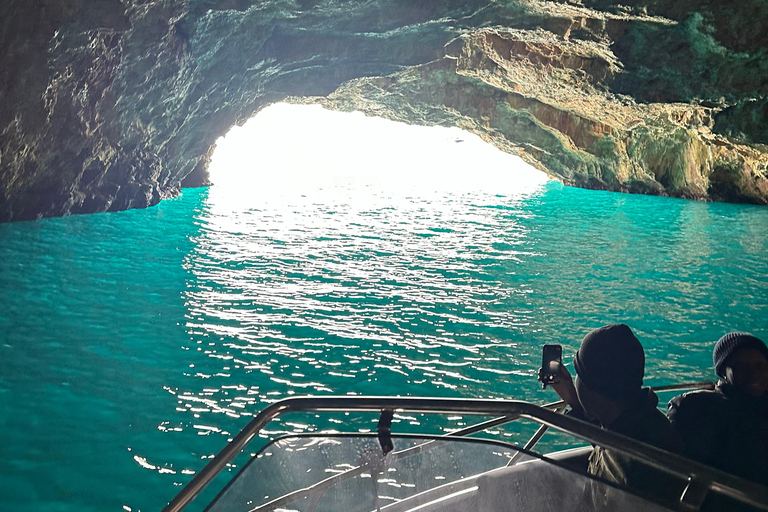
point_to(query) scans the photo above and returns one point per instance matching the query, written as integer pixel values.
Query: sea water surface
(133, 345)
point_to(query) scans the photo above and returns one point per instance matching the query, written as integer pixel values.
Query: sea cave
(430, 198)
(114, 105)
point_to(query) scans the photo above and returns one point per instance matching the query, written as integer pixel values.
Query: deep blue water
(134, 344)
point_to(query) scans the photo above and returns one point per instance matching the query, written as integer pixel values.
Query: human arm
(564, 387)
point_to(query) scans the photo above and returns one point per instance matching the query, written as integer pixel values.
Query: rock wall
(114, 104)
(550, 101)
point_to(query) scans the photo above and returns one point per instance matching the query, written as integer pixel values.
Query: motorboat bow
(467, 469)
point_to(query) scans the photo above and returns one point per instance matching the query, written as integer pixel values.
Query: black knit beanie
(732, 342)
(611, 361)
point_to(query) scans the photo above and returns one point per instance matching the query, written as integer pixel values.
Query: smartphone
(550, 354)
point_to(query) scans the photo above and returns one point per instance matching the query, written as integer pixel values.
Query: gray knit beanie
(732, 342)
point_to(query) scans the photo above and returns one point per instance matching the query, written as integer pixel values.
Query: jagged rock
(109, 104)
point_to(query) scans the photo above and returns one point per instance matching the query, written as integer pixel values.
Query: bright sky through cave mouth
(288, 150)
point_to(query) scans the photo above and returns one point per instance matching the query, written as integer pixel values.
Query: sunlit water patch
(133, 345)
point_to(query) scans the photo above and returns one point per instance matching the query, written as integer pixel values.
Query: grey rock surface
(108, 105)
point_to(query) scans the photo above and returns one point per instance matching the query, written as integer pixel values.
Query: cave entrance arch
(298, 149)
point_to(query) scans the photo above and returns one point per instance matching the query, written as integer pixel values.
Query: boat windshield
(350, 473)
(420, 472)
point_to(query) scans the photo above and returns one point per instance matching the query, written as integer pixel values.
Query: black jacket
(724, 428)
(644, 422)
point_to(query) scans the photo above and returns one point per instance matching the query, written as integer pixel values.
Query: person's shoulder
(700, 396)
(694, 403)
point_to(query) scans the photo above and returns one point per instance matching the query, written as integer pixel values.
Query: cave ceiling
(108, 105)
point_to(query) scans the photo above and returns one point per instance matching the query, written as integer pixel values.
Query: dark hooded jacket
(645, 423)
(724, 428)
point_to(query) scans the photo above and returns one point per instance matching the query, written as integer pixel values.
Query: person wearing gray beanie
(608, 389)
(737, 358)
(727, 427)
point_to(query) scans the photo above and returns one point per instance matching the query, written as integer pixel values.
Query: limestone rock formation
(116, 104)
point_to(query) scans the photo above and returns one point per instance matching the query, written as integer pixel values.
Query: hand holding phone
(551, 360)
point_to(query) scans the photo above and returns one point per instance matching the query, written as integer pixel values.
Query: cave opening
(295, 150)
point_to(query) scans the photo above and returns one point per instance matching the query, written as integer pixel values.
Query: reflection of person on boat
(609, 389)
(727, 428)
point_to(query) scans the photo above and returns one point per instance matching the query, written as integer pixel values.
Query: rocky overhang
(107, 105)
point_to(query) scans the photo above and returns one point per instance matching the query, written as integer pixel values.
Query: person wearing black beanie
(611, 361)
(608, 389)
(727, 427)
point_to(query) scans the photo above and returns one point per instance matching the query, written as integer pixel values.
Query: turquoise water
(134, 344)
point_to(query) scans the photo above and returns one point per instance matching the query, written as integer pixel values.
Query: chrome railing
(318, 488)
(561, 406)
(702, 479)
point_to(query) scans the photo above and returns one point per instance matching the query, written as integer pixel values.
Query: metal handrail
(560, 407)
(231, 450)
(535, 438)
(685, 387)
(711, 479)
(323, 485)
(479, 427)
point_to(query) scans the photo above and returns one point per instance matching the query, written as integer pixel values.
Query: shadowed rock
(108, 105)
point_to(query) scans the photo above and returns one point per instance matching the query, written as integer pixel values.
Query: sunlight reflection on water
(327, 263)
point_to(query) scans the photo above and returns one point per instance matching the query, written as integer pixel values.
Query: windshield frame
(702, 479)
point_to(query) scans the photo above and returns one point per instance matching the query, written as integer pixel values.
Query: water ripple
(154, 351)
